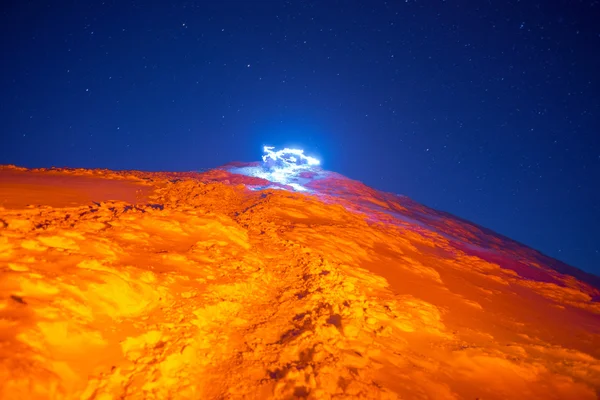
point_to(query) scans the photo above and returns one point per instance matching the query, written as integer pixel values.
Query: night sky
(489, 110)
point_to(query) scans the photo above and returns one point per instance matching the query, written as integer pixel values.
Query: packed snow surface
(219, 285)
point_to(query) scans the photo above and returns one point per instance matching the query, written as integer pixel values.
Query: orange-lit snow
(133, 285)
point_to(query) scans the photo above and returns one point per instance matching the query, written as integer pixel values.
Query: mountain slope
(215, 285)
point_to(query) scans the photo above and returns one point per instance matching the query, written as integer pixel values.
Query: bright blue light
(289, 156)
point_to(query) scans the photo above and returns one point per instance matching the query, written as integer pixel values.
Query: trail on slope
(210, 291)
(170, 300)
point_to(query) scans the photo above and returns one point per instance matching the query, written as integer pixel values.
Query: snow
(205, 289)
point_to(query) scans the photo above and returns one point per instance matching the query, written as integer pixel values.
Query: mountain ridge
(221, 285)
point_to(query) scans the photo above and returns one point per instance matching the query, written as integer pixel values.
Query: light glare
(287, 156)
(284, 166)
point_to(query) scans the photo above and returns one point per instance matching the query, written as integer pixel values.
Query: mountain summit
(275, 280)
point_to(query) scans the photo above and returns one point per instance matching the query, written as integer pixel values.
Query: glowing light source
(288, 157)
(284, 166)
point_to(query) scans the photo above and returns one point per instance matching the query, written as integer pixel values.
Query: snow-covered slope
(237, 283)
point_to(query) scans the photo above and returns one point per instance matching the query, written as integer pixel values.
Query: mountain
(255, 281)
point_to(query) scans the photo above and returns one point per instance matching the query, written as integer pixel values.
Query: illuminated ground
(202, 286)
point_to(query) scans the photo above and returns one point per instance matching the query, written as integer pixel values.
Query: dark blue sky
(487, 109)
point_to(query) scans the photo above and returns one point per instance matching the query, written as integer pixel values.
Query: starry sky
(489, 110)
